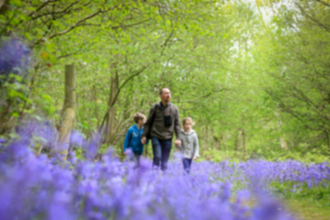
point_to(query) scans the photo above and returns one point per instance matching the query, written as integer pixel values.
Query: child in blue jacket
(133, 138)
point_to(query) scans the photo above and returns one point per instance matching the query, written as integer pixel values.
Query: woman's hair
(138, 116)
(188, 119)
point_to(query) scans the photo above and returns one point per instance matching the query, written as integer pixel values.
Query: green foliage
(313, 156)
(253, 76)
(290, 191)
(14, 100)
(218, 156)
(256, 85)
(295, 57)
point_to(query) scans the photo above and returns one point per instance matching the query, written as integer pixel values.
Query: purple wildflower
(14, 57)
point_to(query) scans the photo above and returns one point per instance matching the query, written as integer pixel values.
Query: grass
(308, 208)
(306, 203)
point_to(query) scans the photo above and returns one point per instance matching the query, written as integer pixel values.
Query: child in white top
(189, 144)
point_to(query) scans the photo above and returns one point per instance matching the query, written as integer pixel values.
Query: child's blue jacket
(133, 140)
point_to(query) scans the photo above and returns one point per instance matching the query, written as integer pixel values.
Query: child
(189, 144)
(133, 138)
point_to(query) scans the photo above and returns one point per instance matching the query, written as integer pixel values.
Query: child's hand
(195, 158)
(177, 142)
(144, 140)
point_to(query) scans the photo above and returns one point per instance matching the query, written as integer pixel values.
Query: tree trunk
(243, 142)
(96, 109)
(217, 143)
(146, 149)
(237, 141)
(328, 139)
(207, 137)
(111, 112)
(284, 144)
(109, 127)
(68, 112)
(223, 140)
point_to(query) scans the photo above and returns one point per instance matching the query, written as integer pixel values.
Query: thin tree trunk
(284, 144)
(96, 112)
(146, 149)
(68, 111)
(328, 139)
(237, 140)
(243, 136)
(223, 140)
(110, 122)
(108, 126)
(217, 143)
(243, 142)
(206, 137)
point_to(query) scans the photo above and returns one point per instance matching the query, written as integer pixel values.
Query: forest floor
(307, 209)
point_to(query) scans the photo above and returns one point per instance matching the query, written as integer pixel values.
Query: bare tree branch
(75, 25)
(327, 28)
(68, 54)
(37, 10)
(324, 3)
(42, 6)
(130, 25)
(71, 28)
(64, 11)
(126, 81)
(166, 42)
(114, 27)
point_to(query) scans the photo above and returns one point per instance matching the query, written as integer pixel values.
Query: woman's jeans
(161, 150)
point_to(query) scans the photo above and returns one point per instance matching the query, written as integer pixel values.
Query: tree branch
(33, 12)
(75, 25)
(313, 19)
(126, 81)
(41, 7)
(324, 3)
(130, 25)
(103, 122)
(166, 42)
(64, 11)
(113, 27)
(68, 54)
